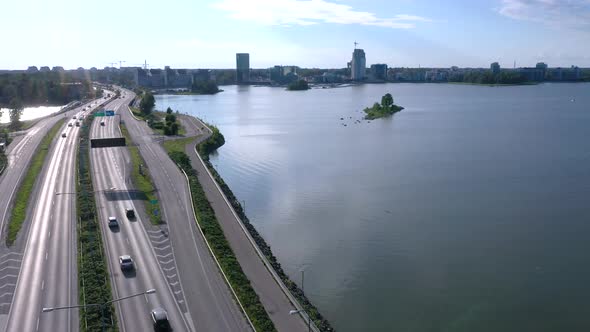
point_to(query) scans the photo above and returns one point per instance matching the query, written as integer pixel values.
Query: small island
(298, 85)
(205, 88)
(386, 108)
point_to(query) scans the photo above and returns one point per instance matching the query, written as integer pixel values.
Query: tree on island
(386, 108)
(298, 85)
(205, 87)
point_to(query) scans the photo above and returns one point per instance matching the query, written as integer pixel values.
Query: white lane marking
(10, 253)
(49, 234)
(13, 259)
(37, 329)
(9, 267)
(43, 284)
(128, 241)
(9, 275)
(7, 285)
(46, 255)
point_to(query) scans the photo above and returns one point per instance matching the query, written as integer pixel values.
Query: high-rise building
(495, 67)
(242, 68)
(379, 71)
(358, 65)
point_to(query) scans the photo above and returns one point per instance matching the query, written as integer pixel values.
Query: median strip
(93, 276)
(142, 180)
(23, 196)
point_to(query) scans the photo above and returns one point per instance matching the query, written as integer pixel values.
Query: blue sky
(310, 33)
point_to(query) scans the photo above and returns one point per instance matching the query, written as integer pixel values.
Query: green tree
(170, 117)
(174, 129)
(169, 110)
(16, 110)
(298, 85)
(387, 100)
(147, 103)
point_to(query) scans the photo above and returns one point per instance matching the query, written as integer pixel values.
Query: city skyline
(309, 34)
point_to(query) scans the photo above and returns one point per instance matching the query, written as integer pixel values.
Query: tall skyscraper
(358, 65)
(242, 68)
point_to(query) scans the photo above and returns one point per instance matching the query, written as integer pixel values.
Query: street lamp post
(92, 192)
(102, 306)
(293, 312)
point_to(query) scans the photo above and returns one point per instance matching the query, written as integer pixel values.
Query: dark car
(160, 319)
(130, 213)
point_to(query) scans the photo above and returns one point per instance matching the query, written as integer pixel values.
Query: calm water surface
(30, 113)
(467, 211)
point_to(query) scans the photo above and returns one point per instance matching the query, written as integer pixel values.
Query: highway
(208, 298)
(110, 169)
(48, 273)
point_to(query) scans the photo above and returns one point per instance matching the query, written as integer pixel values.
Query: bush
(93, 276)
(170, 118)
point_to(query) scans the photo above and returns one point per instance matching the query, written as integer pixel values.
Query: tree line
(489, 77)
(42, 89)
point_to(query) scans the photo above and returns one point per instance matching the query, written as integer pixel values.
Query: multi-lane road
(110, 170)
(48, 272)
(206, 297)
(172, 258)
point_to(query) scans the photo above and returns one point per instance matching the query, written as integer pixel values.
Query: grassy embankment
(142, 181)
(3, 162)
(157, 119)
(205, 148)
(93, 276)
(23, 196)
(208, 223)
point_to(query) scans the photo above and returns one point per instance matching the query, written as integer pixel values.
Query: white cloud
(309, 12)
(558, 13)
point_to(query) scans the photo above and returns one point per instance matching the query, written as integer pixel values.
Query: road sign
(156, 212)
(109, 113)
(107, 142)
(99, 114)
(154, 201)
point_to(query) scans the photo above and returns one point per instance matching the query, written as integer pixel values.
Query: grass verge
(93, 278)
(142, 180)
(177, 145)
(205, 148)
(3, 162)
(19, 211)
(208, 223)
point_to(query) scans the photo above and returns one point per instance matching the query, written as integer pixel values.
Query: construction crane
(120, 62)
(112, 64)
(355, 43)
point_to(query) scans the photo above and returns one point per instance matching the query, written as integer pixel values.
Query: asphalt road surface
(48, 274)
(208, 298)
(110, 169)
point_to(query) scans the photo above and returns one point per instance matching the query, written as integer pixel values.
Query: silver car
(126, 263)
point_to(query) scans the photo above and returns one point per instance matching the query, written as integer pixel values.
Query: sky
(306, 33)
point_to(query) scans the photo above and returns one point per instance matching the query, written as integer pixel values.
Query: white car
(113, 222)
(126, 262)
